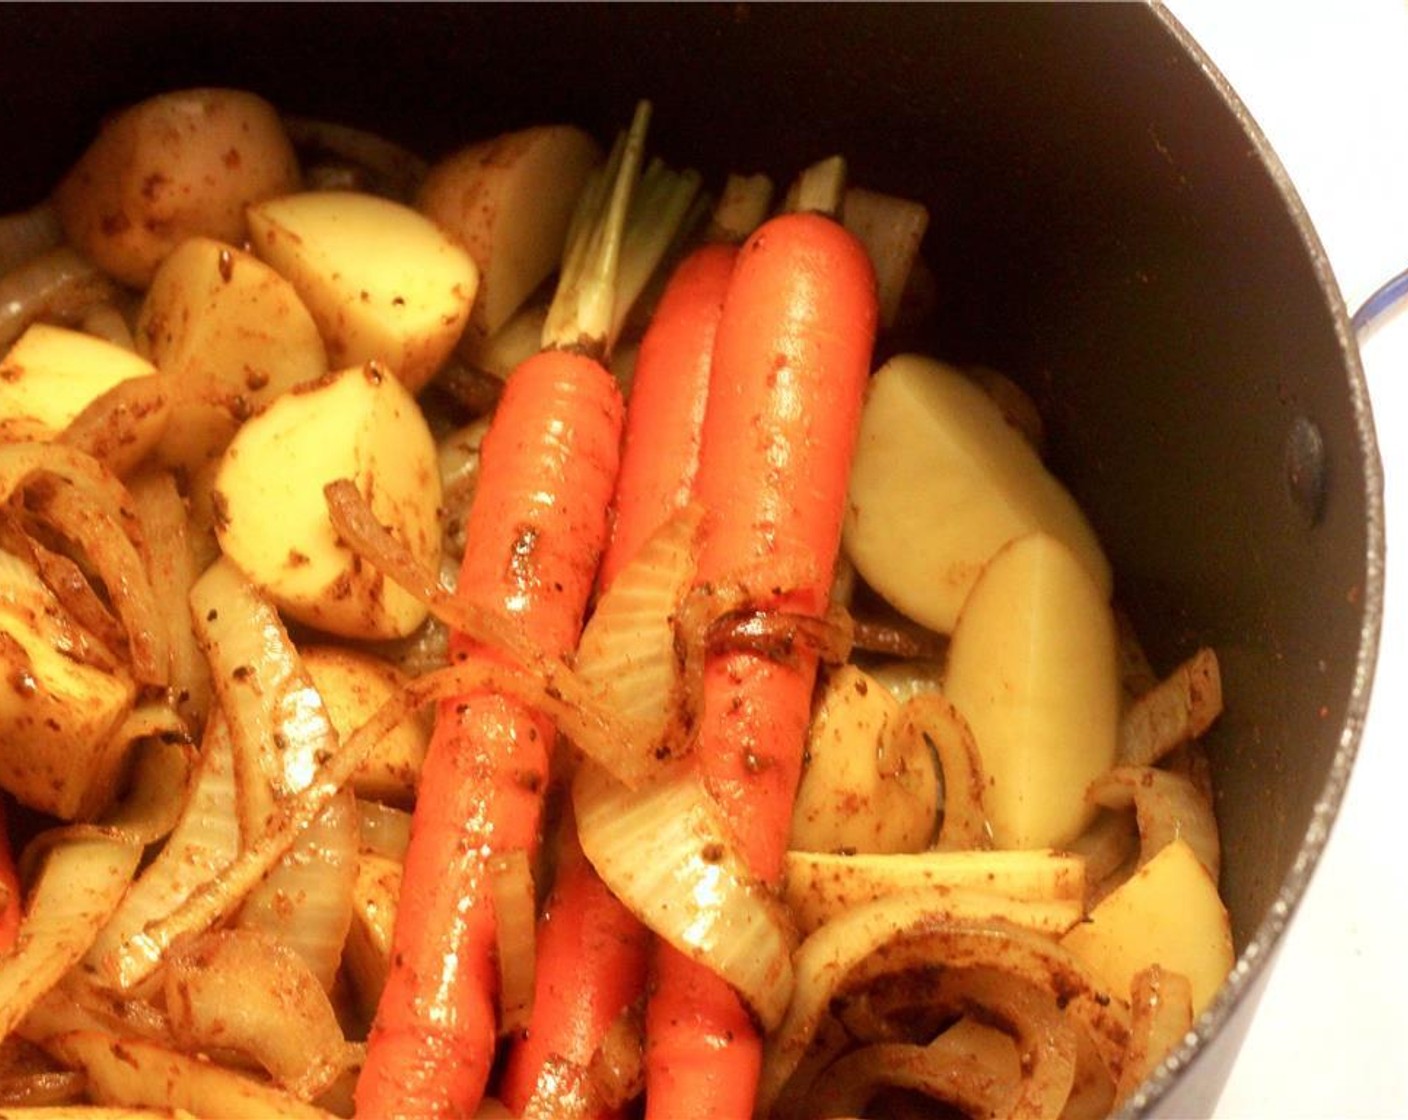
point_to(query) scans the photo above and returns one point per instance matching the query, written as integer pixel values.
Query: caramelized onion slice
(85, 872)
(930, 717)
(916, 930)
(205, 840)
(136, 1073)
(972, 1067)
(1167, 806)
(666, 851)
(1161, 1006)
(1179, 708)
(515, 926)
(1042, 890)
(628, 649)
(281, 733)
(241, 990)
(621, 744)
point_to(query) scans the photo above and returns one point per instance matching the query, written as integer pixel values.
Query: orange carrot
(665, 419)
(13, 909)
(789, 371)
(592, 952)
(535, 533)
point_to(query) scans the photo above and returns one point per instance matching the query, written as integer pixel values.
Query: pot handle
(1383, 300)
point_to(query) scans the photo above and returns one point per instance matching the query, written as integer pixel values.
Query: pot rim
(1256, 956)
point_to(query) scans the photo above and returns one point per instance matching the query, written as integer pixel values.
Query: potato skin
(178, 165)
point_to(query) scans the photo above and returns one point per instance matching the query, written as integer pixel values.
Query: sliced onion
(58, 284)
(1167, 806)
(628, 651)
(25, 234)
(136, 1073)
(1161, 1005)
(385, 831)
(1031, 1015)
(243, 991)
(107, 322)
(162, 772)
(85, 872)
(1041, 890)
(914, 930)
(121, 567)
(122, 426)
(932, 718)
(694, 888)
(161, 512)
(515, 926)
(367, 954)
(79, 1003)
(281, 733)
(219, 896)
(1108, 847)
(203, 843)
(618, 1066)
(623, 745)
(972, 1067)
(394, 171)
(36, 1095)
(1179, 708)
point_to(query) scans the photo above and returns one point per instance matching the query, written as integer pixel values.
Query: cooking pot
(1108, 226)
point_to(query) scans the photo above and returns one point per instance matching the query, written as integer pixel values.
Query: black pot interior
(1105, 227)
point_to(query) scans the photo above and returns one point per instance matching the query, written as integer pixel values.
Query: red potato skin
(535, 535)
(593, 954)
(790, 366)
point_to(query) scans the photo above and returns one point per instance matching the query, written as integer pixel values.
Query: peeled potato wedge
(176, 166)
(233, 334)
(51, 374)
(1032, 668)
(271, 517)
(1168, 913)
(509, 202)
(940, 482)
(383, 282)
(354, 686)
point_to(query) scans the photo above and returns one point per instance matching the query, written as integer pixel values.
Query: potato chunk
(940, 482)
(509, 202)
(1032, 668)
(235, 335)
(58, 713)
(177, 166)
(272, 518)
(354, 685)
(51, 374)
(383, 282)
(1168, 913)
(863, 791)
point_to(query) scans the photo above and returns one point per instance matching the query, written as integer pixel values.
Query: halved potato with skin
(271, 517)
(234, 335)
(383, 282)
(940, 482)
(1032, 667)
(509, 202)
(182, 164)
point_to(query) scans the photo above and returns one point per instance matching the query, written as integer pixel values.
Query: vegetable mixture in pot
(527, 635)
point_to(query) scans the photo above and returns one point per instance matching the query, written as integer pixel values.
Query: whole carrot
(592, 952)
(534, 536)
(789, 371)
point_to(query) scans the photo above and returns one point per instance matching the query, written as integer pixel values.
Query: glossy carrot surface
(535, 534)
(790, 365)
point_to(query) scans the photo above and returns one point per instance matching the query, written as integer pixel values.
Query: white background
(1328, 84)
